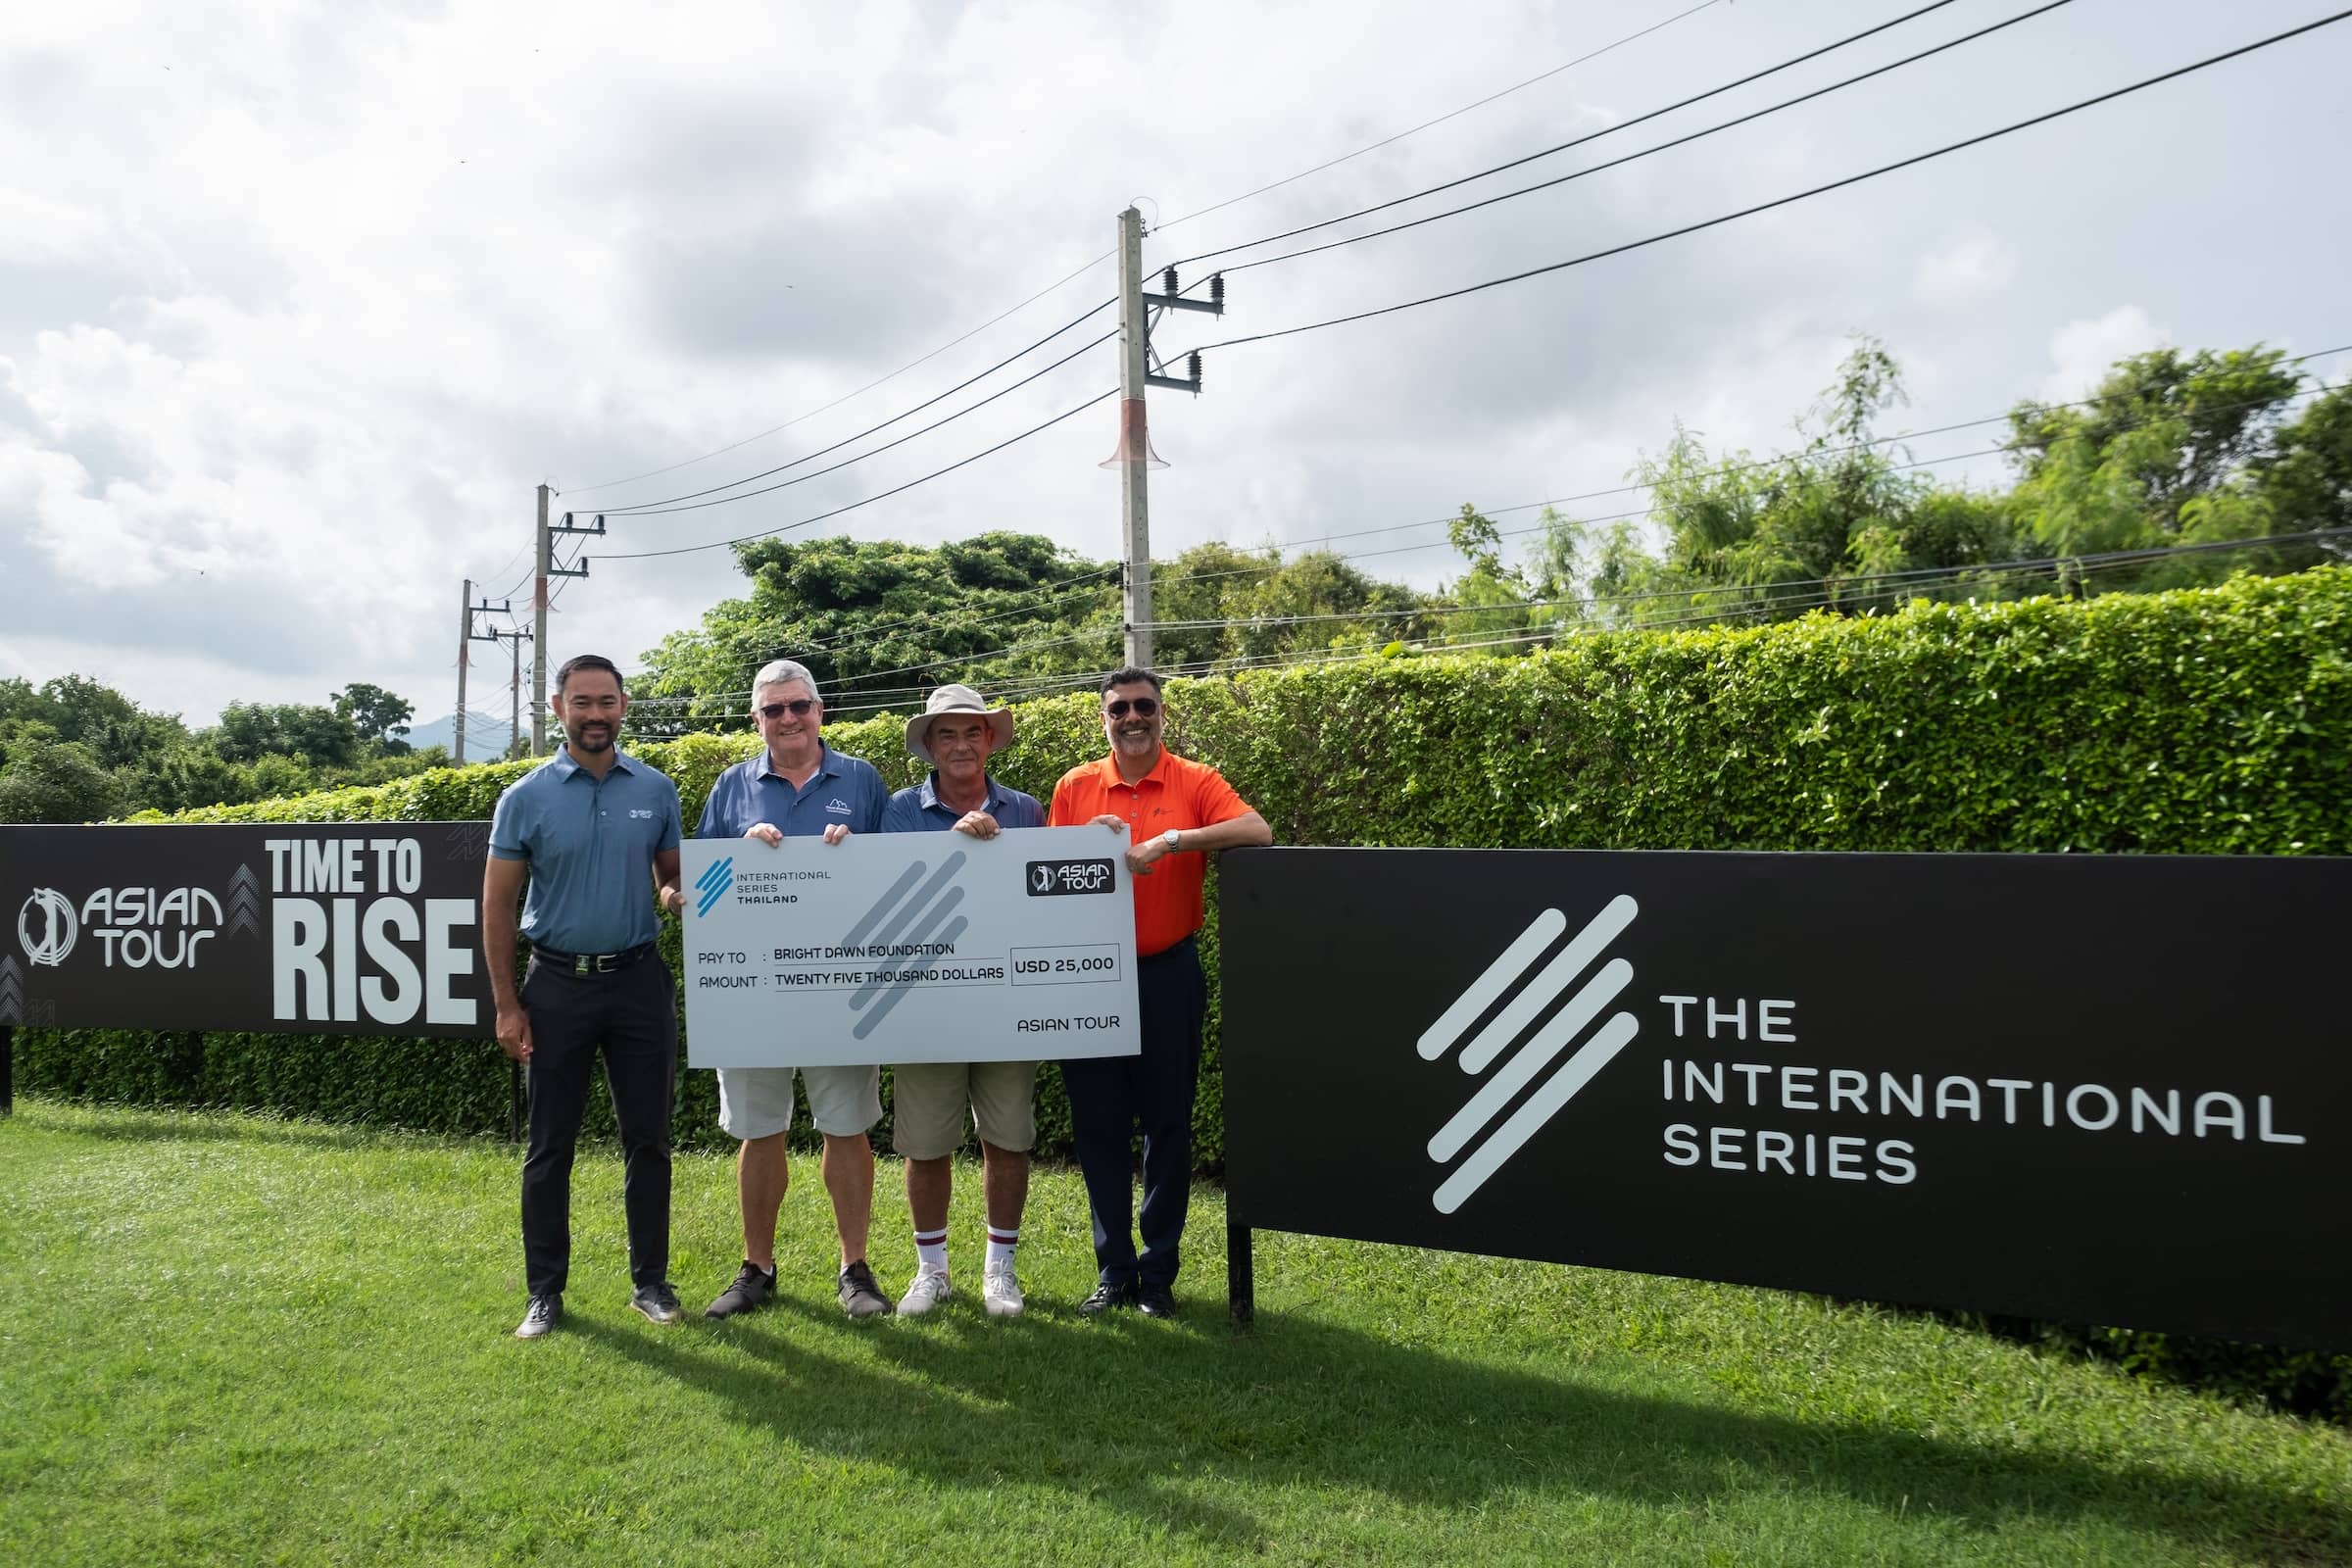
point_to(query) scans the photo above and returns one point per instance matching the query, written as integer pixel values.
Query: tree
(50, 781)
(315, 735)
(379, 718)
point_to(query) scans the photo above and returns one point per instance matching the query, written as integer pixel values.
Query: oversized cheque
(910, 947)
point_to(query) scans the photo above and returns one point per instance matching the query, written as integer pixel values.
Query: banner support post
(8, 1070)
(1241, 1276)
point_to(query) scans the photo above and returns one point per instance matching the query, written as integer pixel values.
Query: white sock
(1001, 1244)
(931, 1251)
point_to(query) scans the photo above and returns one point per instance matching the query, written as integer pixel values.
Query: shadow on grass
(1129, 1413)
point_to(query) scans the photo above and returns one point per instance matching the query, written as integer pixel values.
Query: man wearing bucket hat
(955, 733)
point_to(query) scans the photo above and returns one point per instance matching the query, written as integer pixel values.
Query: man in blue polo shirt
(799, 787)
(586, 828)
(955, 733)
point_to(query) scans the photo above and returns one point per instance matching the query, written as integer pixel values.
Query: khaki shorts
(928, 1101)
(756, 1101)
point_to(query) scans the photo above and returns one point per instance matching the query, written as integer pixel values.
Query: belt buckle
(606, 963)
(580, 964)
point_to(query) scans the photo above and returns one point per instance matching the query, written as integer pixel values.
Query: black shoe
(657, 1303)
(1108, 1296)
(1155, 1301)
(861, 1296)
(753, 1286)
(545, 1311)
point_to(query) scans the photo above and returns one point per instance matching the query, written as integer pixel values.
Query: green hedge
(2212, 721)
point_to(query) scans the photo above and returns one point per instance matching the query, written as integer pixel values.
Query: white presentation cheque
(910, 947)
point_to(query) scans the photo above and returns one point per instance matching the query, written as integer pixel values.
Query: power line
(649, 508)
(1647, 152)
(1427, 124)
(1578, 141)
(1784, 201)
(883, 495)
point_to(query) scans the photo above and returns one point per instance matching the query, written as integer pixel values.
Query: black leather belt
(590, 963)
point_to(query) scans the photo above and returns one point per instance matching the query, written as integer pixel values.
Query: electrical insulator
(1216, 288)
(600, 522)
(1195, 368)
(1168, 279)
(567, 519)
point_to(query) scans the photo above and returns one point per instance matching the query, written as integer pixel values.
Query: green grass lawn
(250, 1341)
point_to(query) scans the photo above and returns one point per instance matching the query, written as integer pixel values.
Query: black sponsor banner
(2094, 1088)
(362, 928)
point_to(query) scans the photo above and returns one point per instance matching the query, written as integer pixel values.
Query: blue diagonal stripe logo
(713, 884)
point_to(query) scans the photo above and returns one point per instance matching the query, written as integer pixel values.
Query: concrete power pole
(1134, 456)
(464, 657)
(544, 548)
(1135, 442)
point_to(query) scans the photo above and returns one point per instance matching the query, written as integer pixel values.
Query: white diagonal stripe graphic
(1576, 1072)
(1531, 1058)
(1614, 917)
(1439, 1038)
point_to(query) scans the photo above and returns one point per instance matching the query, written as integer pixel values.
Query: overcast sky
(298, 303)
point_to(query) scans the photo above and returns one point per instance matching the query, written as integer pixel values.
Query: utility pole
(547, 567)
(1134, 456)
(506, 608)
(464, 657)
(545, 556)
(514, 688)
(1135, 442)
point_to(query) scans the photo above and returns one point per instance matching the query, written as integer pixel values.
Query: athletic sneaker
(861, 1296)
(546, 1312)
(1000, 1289)
(753, 1286)
(930, 1287)
(657, 1303)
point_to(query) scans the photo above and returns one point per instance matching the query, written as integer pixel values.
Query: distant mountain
(485, 738)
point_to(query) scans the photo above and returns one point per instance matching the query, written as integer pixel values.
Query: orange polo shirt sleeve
(1178, 794)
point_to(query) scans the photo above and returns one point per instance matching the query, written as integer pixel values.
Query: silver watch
(1170, 839)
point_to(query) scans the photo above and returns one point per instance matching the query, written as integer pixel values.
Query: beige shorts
(928, 1102)
(756, 1101)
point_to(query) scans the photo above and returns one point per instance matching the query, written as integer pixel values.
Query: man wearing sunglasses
(955, 733)
(799, 787)
(1174, 812)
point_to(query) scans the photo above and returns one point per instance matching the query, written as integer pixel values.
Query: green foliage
(380, 717)
(2206, 721)
(50, 781)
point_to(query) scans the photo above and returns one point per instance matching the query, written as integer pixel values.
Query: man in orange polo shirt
(1174, 813)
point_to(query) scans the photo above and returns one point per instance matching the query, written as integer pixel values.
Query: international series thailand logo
(713, 884)
(1530, 991)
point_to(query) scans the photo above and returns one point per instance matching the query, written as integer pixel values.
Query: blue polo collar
(825, 767)
(927, 793)
(564, 765)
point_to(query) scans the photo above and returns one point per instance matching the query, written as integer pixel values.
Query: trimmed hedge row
(2210, 720)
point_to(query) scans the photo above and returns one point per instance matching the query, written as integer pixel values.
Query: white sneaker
(930, 1287)
(1000, 1289)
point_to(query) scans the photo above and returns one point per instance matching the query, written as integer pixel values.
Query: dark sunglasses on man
(1144, 707)
(799, 707)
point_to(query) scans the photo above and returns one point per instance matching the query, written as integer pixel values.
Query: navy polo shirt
(918, 808)
(842, 789)
(590, 844)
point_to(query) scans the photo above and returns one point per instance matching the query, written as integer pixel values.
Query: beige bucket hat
(958, 700)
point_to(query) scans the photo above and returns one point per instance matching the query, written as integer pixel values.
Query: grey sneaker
(861, 1296)
(545, 1313)
(657, 1303)
(753, 1286)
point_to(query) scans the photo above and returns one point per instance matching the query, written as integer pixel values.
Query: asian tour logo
(57, 925)
(713, 884)
(1530, 991)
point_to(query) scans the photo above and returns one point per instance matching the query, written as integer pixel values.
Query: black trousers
(632, 1013)
(1111, 1096)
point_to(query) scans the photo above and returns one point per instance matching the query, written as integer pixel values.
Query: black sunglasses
(799, 707)
(1144, 706)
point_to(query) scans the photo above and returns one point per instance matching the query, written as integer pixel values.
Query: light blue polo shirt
(842, 789)
(590, 844)
(918, 808)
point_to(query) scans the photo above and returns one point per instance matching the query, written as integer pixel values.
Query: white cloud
(2082, 351)
(1974, 266)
